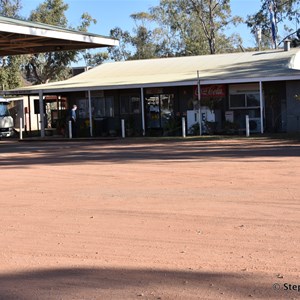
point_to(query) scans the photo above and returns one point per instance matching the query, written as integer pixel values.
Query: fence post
(123, 128)
(183, 127)
(247, 126)
(21, 129)
(70, 129)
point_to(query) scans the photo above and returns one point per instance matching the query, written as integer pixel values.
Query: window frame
(246, 106)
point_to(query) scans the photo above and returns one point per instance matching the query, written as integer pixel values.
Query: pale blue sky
(113, 13)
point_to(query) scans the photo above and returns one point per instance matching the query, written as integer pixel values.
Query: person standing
(73, 118)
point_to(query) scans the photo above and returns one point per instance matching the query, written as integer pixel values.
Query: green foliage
(144, 40)
(120, 53)
(51, 12)
(178, 28)
(284, 11)
(53, 66)
(10, 76)
(10, 8)
(214, 16)
(86, 21)
(50, 66)
(143, 43)
(195, 27)
(93, 60)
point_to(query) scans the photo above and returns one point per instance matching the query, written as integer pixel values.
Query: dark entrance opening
(159, 112)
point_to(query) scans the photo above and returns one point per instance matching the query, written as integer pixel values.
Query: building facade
(152, 96)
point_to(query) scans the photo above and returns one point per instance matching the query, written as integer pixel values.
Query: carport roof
(23, 37)
(213, 69)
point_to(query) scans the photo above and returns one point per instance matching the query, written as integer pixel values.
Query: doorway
(159, 111)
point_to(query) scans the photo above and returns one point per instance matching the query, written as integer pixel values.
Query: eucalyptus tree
(214, 17)
(90, 57)
(10, 8)
(50, 66)
(143, 39)
(196, 26)
(123, 52)
(10, 75)
(54, 66)
(141, 43)
(271, 14)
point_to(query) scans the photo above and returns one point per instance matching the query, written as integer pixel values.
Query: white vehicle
(6, 121)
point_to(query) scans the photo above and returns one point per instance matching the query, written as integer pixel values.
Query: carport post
(42, 113)
(143, 112)
(90, 113)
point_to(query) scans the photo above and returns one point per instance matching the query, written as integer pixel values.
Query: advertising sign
(212, 90)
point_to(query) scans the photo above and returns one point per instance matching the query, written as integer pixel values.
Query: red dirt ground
(150, 219)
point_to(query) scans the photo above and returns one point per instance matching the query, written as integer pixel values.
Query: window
(129, 105)
(4, 110)
(237, 101)
(253, 100)
(244, 100)
(124, 105)
(135, 105)
(109, 106)
(103, 107)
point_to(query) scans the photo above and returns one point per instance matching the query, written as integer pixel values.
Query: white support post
(123, 128)
(183, 127)
(42, 113)
(143, 112)
(90, 113)
(70, 129)
(247, 126)
(261, 108)
(199, 103)
(21, 129)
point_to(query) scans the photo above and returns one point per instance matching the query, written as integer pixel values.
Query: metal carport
(23, 37)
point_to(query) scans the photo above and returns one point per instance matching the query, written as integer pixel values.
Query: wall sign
(212, 90)
(154, 91)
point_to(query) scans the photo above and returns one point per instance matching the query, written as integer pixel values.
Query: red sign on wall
(213, 90)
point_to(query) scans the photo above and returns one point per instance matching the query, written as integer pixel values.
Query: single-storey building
(153, 95)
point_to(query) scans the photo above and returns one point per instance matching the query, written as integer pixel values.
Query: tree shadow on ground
(77, 152)
(113, 283)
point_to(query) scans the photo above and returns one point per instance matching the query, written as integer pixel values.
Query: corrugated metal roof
(24, 37)
(220, 68)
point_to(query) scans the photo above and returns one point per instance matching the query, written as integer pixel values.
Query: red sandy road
(168, 220)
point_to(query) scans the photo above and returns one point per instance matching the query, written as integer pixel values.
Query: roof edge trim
(59, 34)
(295, 61)
(150, 85)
